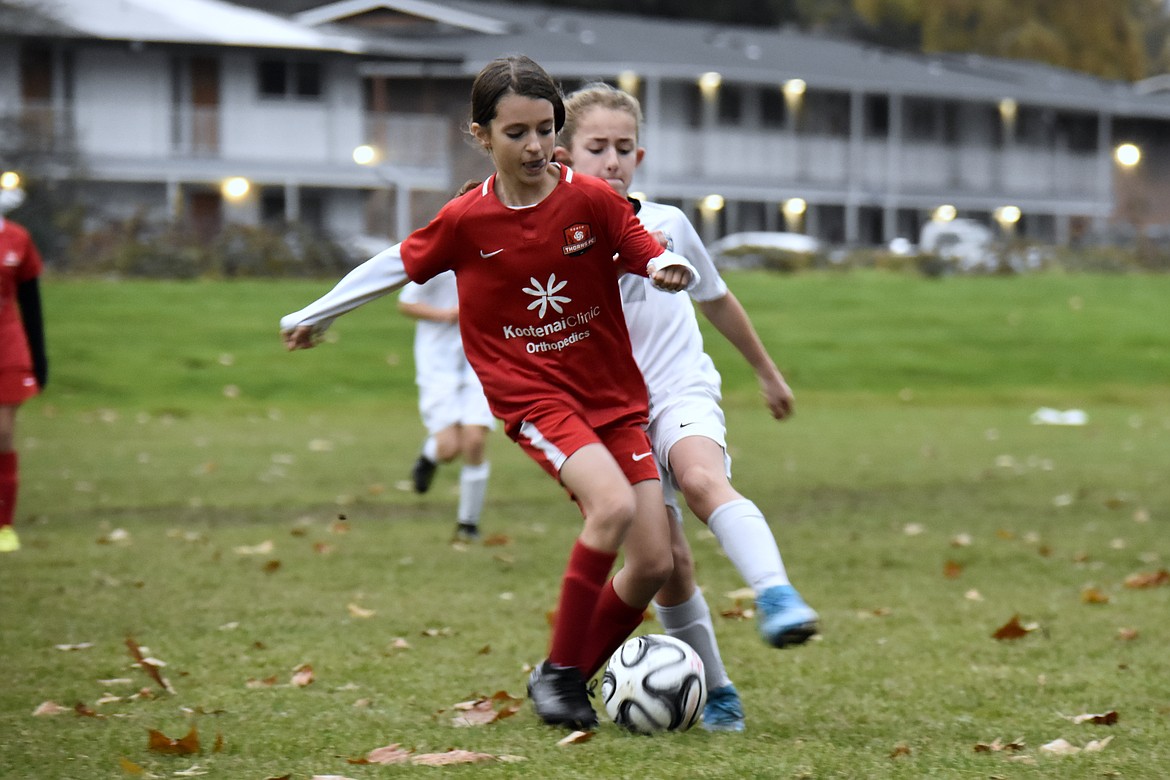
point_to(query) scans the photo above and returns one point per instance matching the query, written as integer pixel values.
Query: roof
(176, 21)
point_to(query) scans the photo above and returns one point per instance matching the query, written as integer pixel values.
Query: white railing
(752, 157)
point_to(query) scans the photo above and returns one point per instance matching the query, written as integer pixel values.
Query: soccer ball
(654, 683)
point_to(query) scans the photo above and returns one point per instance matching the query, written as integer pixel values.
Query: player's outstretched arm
(380, 275)
(729, 318)
(672, 272)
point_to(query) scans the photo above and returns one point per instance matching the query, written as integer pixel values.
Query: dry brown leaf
(130, 768)
(1127, 634)
(996, 746)
(400, 643)
(1101, 719)
(359, 611)
(271, 567)
(149, 665)
(497, 540)
(952, 569)
(482, 711)
(161, 743)
(50, 708)
(452, 756)
(83, 710)
(576, 738)
(1097, 745)
(267, 682)
(901, 749)
(218, 746)
(78, 646)
(302, 676)
(1091, 595)
(390, 754)
(1013, 629)
(263, 548)
(1149, 579)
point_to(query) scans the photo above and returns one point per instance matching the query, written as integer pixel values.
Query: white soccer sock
(430, 449)
(745, 536)
(472, 488)
(690, 621)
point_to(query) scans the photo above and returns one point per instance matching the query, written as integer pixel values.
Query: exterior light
(235, 188)
(713, 203)
(1007, 215)
(944, 213)
(9, 180)
(794, 88)
(1127, 155)
(365, 155)
(794, 207)
(628, 82)
(1008, 108)
(709, 83)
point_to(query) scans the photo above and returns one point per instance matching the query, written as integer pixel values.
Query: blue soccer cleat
(784, 617)
(724, 710)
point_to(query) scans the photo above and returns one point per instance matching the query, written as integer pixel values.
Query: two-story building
(348, 116)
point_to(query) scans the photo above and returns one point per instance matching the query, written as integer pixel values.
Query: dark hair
(518, 75)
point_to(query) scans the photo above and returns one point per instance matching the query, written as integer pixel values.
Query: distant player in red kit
(541, 319)
(24, 367)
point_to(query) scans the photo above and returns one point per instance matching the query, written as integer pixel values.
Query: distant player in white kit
(600, 138)
(450, 398)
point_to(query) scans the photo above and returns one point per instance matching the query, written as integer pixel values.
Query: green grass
(176, 430)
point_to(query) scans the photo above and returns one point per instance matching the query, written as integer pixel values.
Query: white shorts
(462, 403)
(691, 412)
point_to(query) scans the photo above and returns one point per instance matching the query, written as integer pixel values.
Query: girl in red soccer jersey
(541, 319)
(23, 365)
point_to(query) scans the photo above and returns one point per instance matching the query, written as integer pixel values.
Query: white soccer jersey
(438, 349)
(664, 331)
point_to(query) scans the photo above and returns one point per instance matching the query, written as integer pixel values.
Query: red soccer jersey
(540, 312)
(19, 262)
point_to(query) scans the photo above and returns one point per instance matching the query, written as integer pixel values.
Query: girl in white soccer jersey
(540, 315)
(450, 398)
(600, 137)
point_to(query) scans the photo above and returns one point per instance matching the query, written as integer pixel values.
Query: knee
(612, 514)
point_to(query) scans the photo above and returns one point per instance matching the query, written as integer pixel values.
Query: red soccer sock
(613, 622)
(9, 481)
(584, 576)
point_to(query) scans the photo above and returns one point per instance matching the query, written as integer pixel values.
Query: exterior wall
(122, 102)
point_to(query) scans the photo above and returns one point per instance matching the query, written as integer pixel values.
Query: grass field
(184, 481)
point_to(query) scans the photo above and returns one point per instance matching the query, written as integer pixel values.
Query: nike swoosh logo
(642, 456)
(683, 425)
(486, 255)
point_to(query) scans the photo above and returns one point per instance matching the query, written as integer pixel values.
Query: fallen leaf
(1102, 719)
(996, 746)
(83, 710)
(962, 540)
(952, 569)
(1151, 579)
(901, 749)
(452, 756)
(161, 743)
(576, 738)
(390, 754)
(1091, 595)
(267, 682)
(302, 676)
(360, 612)
(149, 665)
(263, 548)
(1097, 745)
(50, 708)
(497, 540)
(1060, 747)
(192, 771)
(482, 711)
(130, 768)
(1127, 634)
(973, 595)
(271, 567)
(1013, 629)
(78, 646)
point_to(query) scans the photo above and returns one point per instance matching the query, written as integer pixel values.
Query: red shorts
(551, 436)
(17, 385)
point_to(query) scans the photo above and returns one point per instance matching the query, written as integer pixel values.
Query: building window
(289, 80)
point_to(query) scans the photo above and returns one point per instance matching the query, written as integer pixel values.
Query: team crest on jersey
(578, 238)
(11, 259)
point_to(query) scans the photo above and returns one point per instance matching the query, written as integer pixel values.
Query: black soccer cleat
(466, 532)
(559, 697)
(423, 473)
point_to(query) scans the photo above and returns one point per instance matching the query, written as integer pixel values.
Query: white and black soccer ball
(654, 683)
